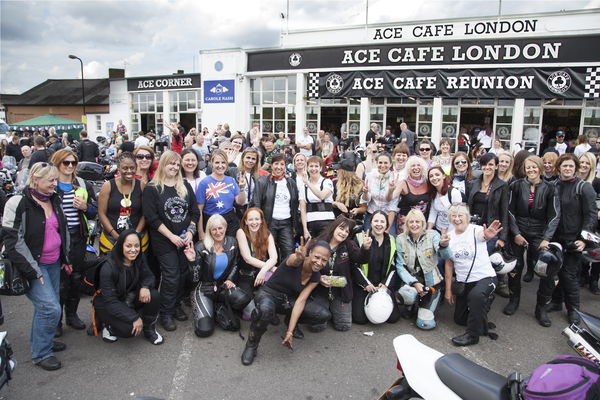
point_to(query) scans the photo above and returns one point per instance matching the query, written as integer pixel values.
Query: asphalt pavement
(327, 365)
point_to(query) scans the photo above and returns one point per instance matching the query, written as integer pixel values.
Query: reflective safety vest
(365, 267)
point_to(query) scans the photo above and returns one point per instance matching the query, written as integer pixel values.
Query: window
(98, 123)
(183, 101)
(273, 101)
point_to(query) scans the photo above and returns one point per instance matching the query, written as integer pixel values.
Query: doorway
(332, 119)
(397, 115)
(475, 118)
(188, 121)
(566, 120)
(148, 122)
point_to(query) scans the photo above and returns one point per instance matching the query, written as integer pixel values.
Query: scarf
(43, 197)
(460, 177)
(415, 182)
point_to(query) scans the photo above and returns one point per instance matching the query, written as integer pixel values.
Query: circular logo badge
(334, 83)
(503, 132)
(218, 66)
(449, 130)
(267, 126)
(559, 82)
(279, 126)
(312, 127)
(295, 59)
(354, 128)
(425, 130)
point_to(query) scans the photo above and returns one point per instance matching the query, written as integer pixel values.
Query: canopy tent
(48, 121)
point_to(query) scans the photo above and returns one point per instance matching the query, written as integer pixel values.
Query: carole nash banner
(528, 83)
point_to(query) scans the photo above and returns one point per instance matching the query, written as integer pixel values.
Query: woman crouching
(127, 303)
(475, 277)
(214, 269)
(288, 292)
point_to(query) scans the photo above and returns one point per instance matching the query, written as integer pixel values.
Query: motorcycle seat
(469, 380)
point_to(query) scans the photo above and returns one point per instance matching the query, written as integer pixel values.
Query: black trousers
(315, 228)
(233, 222)
(567, 289)
(283, 233)
(472, 307)
(546, 285)
(269, 302)
(174, 272)
(70, 285)
(203, 305)
(121, 328)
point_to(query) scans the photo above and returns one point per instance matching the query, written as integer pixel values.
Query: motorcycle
(429, 374)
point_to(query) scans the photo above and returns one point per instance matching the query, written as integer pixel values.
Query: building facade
(525, 76)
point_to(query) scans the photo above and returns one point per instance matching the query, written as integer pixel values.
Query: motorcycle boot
(71, 318)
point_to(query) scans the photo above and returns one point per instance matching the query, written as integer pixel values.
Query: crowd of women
(256, 233)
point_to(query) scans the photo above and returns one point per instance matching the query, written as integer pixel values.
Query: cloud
(154, 37)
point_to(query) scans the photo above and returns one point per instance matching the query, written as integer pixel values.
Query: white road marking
(182, 369)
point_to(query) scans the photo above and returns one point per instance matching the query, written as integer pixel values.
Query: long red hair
(260, 243)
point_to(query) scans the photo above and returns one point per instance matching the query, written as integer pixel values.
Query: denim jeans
(46, 312)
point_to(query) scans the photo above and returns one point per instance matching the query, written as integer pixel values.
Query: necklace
(126, 200)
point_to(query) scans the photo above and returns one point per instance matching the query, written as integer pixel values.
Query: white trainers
(154, 337)
(107, 336)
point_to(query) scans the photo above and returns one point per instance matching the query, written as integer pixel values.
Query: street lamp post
(72, 57)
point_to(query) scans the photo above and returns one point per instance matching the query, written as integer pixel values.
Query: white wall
(235, 114)
(118, 106)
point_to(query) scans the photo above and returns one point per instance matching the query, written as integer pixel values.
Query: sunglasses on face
(144, 157)
(425, 149)
(67, 163)
(461, 162)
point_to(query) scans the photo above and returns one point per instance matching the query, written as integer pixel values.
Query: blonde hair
(508, 174)
(40, 170)
(348, 186)
(592, 172)
(537, 161)
(214, 220)
(551, 157)
(418, 215)
(167, 158)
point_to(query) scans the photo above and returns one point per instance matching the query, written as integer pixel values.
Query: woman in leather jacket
(487, 198)
(534, 214)
(214, 270)
(126, 303)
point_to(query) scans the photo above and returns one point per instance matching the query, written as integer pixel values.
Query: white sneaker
(154, 337)
(107, 336)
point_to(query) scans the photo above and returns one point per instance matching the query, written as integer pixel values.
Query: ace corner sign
(222, 91)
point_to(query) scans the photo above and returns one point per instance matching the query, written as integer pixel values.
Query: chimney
(179, 72)
(116, 73)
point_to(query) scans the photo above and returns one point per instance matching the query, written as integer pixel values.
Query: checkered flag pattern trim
(592, 82)
(313, 85)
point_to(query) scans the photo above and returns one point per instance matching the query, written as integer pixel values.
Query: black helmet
(549, 261)
(502, 261)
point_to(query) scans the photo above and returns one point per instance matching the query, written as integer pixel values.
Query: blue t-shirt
(217, 196)
(220, 265)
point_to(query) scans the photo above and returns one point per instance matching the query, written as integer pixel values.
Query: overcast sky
(156, 37)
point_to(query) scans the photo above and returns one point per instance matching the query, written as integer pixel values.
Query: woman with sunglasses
(35, 235)
(171, 213)
(365, 167)
(78, 203)
(144, 160)
(120, 204)
(460, 171)
(426, 151)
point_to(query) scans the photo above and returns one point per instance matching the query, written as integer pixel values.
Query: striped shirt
(71, 213)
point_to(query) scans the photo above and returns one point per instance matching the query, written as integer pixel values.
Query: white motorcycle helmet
(502, 261)
(379, 306)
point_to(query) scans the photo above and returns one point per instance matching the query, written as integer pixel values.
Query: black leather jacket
(264, 197)
(539, 221)
(203, 267)
(578, 209)
(497, 207)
